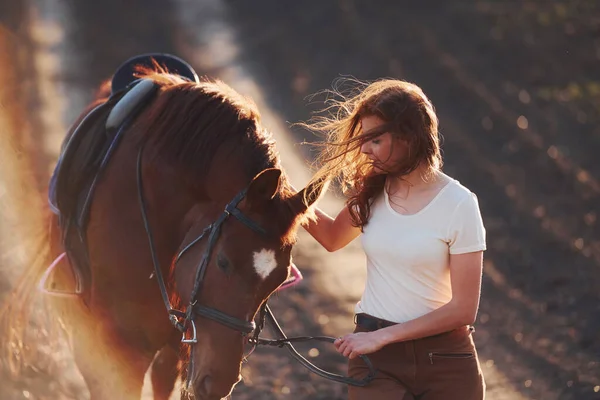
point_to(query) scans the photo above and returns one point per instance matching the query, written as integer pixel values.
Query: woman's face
(385, 151)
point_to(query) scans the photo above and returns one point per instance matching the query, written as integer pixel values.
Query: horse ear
(305, 198)
(263, 187)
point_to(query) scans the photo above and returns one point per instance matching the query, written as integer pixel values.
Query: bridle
(181, 319)
(184, 320)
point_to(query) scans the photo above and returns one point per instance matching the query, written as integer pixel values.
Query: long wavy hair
(407, 113)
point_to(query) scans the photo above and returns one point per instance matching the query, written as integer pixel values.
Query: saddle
(127, 98)
(122, 80)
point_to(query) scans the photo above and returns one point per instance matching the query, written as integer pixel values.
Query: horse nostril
(206, 384)
(203, 386)
(211, 387)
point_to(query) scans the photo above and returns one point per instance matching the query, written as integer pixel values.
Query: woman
(423, 236)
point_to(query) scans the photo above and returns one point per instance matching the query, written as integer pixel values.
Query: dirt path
(537, 329)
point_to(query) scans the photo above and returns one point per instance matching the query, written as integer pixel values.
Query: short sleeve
(466, 232)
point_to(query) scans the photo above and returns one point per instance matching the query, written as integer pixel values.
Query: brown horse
(194, 196)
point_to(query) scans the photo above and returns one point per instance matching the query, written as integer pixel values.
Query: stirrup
(42, 285)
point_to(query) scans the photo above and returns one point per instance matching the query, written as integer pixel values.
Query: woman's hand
(356, 344)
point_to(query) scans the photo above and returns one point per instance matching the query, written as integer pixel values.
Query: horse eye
(222, 262)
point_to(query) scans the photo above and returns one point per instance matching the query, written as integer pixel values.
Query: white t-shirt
(408, 256)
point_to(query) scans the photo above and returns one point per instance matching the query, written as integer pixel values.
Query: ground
(517, 89)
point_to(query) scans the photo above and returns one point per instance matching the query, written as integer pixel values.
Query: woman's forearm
(333, 233)
(448, 317)
(321, 229)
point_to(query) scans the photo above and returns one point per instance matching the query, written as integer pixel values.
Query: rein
(286, 342)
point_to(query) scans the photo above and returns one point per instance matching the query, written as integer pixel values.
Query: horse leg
(110, 368)
(164, 372)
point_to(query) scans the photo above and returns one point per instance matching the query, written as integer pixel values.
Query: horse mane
(188, 121)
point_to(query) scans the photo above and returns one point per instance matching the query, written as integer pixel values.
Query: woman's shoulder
(457, 193)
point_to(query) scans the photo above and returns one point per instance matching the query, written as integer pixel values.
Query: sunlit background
(516, 84)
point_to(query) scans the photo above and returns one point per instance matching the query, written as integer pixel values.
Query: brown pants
(440, 367)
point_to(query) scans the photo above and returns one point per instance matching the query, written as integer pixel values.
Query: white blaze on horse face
(264, 262)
